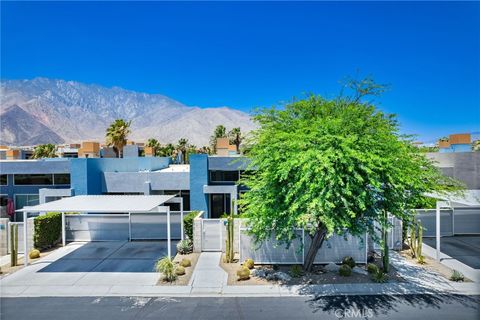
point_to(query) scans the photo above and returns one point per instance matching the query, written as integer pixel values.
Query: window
(185, 194)
(61, 178)
(219, 204)
(3, 180)
(33, 179)
(24, 200)
(224, 176)
(3, 206)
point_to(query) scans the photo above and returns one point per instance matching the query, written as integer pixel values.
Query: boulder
(331, 267)
(282, 276)
(360, 271)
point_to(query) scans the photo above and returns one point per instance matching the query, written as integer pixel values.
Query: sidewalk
(209, 279)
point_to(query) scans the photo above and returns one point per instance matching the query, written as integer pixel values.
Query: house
(456, 143)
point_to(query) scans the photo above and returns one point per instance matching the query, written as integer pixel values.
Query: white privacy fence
(394, 234)
(454, 221)
(334, 249)
(118, 227)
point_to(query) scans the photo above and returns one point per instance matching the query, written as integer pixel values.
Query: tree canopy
(330, 165)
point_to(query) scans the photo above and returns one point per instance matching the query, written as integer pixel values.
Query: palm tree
(182, 147)
(117, 134)
(236, 138)
(44, 151)
(153, 143)
(219, 132)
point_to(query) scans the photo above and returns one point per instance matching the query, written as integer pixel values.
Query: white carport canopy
(104, 204)
(467, 198)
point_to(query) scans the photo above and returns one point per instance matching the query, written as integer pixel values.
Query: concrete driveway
(90, 266)
(465, 249)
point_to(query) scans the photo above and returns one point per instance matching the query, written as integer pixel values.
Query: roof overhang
(103, 204)
(469, 198)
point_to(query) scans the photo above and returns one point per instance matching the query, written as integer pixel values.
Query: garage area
(120, 233)
(111, 256)
(465, 249)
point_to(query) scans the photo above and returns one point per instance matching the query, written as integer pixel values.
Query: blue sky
(245, 55)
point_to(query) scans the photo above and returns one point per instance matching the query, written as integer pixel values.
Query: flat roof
(469, 198)
(102, 204)
(176, 168)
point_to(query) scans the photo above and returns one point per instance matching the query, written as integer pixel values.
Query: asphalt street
(333, 307)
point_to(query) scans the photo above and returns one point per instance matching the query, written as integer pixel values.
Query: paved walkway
(208, 276)
(209, 279)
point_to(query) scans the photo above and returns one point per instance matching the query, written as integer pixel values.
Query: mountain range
(45, 110)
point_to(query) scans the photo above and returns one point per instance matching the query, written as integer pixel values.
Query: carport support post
(25, 242)
(169, 250)
(64, 240)
(181, 219)
(437, 230)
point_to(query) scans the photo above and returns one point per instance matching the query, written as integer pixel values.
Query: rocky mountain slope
(54, 111)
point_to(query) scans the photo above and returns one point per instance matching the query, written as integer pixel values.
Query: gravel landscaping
(184, 279)
(430, 265)
(282, 274)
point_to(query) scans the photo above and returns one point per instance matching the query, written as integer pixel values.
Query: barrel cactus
(243, 273)
(345, 270)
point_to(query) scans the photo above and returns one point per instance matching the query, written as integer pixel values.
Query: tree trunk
(385, 257)
(317, 242)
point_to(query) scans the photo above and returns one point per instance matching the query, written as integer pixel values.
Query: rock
(270, 277)
(258, 273)
(332, 267)
(282, 276)
(360, 271)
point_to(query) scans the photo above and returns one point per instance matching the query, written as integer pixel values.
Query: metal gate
(212, 234)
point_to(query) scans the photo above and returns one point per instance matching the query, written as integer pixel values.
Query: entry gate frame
(220, 226)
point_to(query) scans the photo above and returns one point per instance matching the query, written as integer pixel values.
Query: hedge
(48, 230)
(188, 224)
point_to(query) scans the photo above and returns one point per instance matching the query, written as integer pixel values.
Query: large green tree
(331, 166)
(117, 134)
(44, 151)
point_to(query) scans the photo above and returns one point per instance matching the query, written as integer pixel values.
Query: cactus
(13, 245)
(229, 252)
(419, 240)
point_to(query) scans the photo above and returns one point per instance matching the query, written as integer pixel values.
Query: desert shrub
(47, 230)
(243, 273)
(167, 268)
(249, 263)
(457, 276)
(34, 254)
(185, 263)
(188, 224)
(379, 276)
(345, 270)
(349, 261)
(179, 271)
(372, 268)
(296, 271)
(185, 246)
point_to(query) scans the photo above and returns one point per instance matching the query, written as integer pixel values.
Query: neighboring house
(456, 143)
(463, 166)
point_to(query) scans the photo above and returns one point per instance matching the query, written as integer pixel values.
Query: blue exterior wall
(87, 173)
(44, 166)
(198, 178)
(457, 148)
